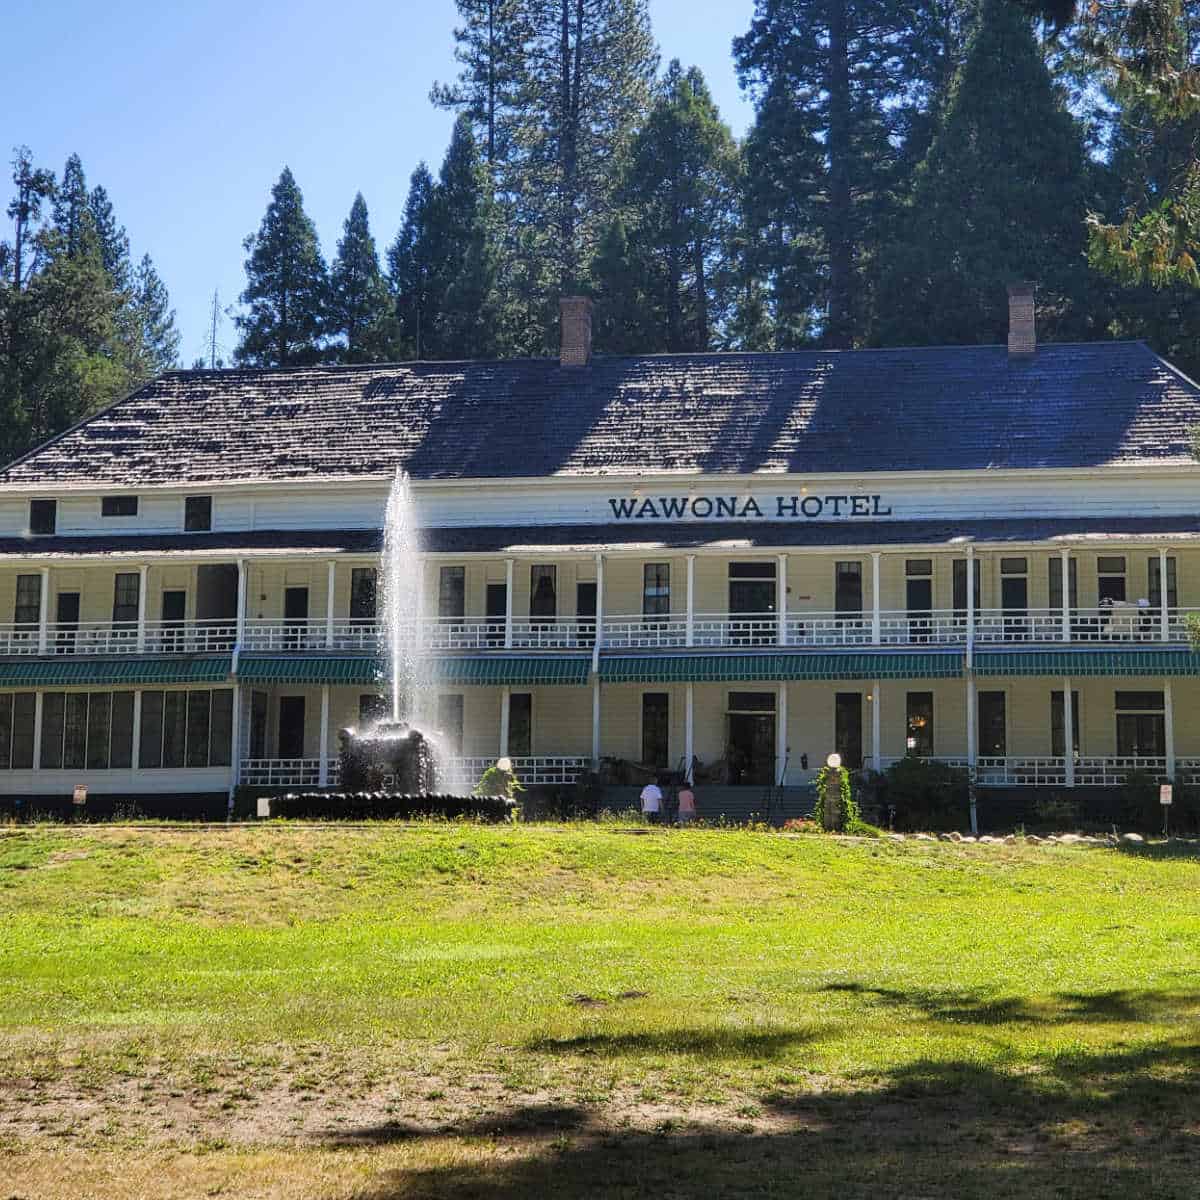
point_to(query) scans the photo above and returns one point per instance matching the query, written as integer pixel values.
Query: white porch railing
(1051, 770)
(286, 772)
(539, 769)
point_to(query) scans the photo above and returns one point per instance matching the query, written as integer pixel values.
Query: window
(1055, 582)
(92, 730)
(452, 593)
(126, 588)
(28, 608)
(1014, 566)
(655, 729)
(993, 738)
(372, 709)
(520, 724)
(919, 723)
(450, 720)
(16, 731)
(1155, 580)
(364, 583)
(847, 728)
(1110, 578)
(197, 514)
(43, 516)
(1141, 725)
(847, 587)
(751, 702)
(752, 587)
(656, 589)
(543, 596)
(918, 568)
(960, 586)
(118, 506)
(191, 728)
(1058, 723)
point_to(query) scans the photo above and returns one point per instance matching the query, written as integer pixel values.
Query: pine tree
(155, 319)
(412, 267)
(1000, 196)
(72, 210)
(829, 82)
(114, 242)
(461, 220)
(361, 313)
(286, 285)
(624, 320)
(680, 190)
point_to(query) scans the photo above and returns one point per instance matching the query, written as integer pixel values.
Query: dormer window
(197, 514)
(43, 516)
(118, 506)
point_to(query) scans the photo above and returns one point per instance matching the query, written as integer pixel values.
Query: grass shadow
(710, 1043)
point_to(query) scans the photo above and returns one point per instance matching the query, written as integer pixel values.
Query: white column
(243, 583)
(235, 750)
(876, 738)
(876, 624)
(37, 730)
(690, 618)
(1066, 595)
(143, 600)
(781, 588)
(595, 722)
(781, 730)
(136, 759)
(1069, 733)
(970, 608)
(689, 745)
(323, 768)
(330, 585)
(505, 694)
(1169, 727)
(508, 607)
(44, 614)
(972, 725)
(599, 613)
(1164, 613)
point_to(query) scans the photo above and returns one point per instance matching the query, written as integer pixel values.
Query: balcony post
(1169, 726)
(135, 760)
(37, 731)
(689, 714)
(1164, 612)
(44, 613)
(599, 631)
(595, 722)
(143, 600)
(689, 637)
(505, 694)
(323, 761)
(876, 622)
(508, 607)
(782, 605)
(970, 607)
(972, 725)
(1068, 734)
(240, 632)
(876, 738)
(330, 586)
(1066, 594)
(781, 728)
(235, 739)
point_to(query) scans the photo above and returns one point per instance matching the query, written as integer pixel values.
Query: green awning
(367, 671)
(778, 668)
(1087, 662)
(292, 668)
(76, 672)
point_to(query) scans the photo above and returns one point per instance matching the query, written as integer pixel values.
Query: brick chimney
(575, 319)
(1022, 328)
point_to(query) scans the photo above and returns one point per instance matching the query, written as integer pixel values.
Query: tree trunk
(701, 296)
(839, 332)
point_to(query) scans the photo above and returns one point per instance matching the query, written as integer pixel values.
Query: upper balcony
(1116, 624)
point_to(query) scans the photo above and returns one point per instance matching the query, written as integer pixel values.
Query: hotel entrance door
(750, 748)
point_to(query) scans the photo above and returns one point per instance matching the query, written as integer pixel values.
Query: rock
(1033, 839)
(1051, 838)
(1132, 839)
(988, 840)
(946, 837)
(924, 837)
(896, 837)
(1070, 839)
(1010, 839)
(955, 836)
(968, 838)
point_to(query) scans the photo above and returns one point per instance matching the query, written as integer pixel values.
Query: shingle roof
(965, 407)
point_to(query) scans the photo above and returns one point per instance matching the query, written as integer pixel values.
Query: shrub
(496, 781)
(1140, 808)
(926, 794)
(1054, 812)
(801, 825)
(849, 816)
(384, 806)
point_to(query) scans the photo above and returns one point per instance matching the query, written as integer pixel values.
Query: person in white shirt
(651, 802)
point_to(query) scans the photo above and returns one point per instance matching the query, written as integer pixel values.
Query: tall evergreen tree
(623, 321)
(286, 285)
(151, 305)
(412, 268)
(830, 84)
(72, 210)
(113, 240)
(361, 312)
(1001, 196)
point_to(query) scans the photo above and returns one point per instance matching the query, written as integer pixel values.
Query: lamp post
(831, 800)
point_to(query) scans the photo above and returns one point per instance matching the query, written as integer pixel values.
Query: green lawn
(454, 1012)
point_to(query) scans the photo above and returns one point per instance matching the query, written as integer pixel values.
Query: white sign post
(1165, 798)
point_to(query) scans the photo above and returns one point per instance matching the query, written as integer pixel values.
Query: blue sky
(186, 112)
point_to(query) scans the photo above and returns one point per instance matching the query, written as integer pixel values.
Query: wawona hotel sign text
(746, 508)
